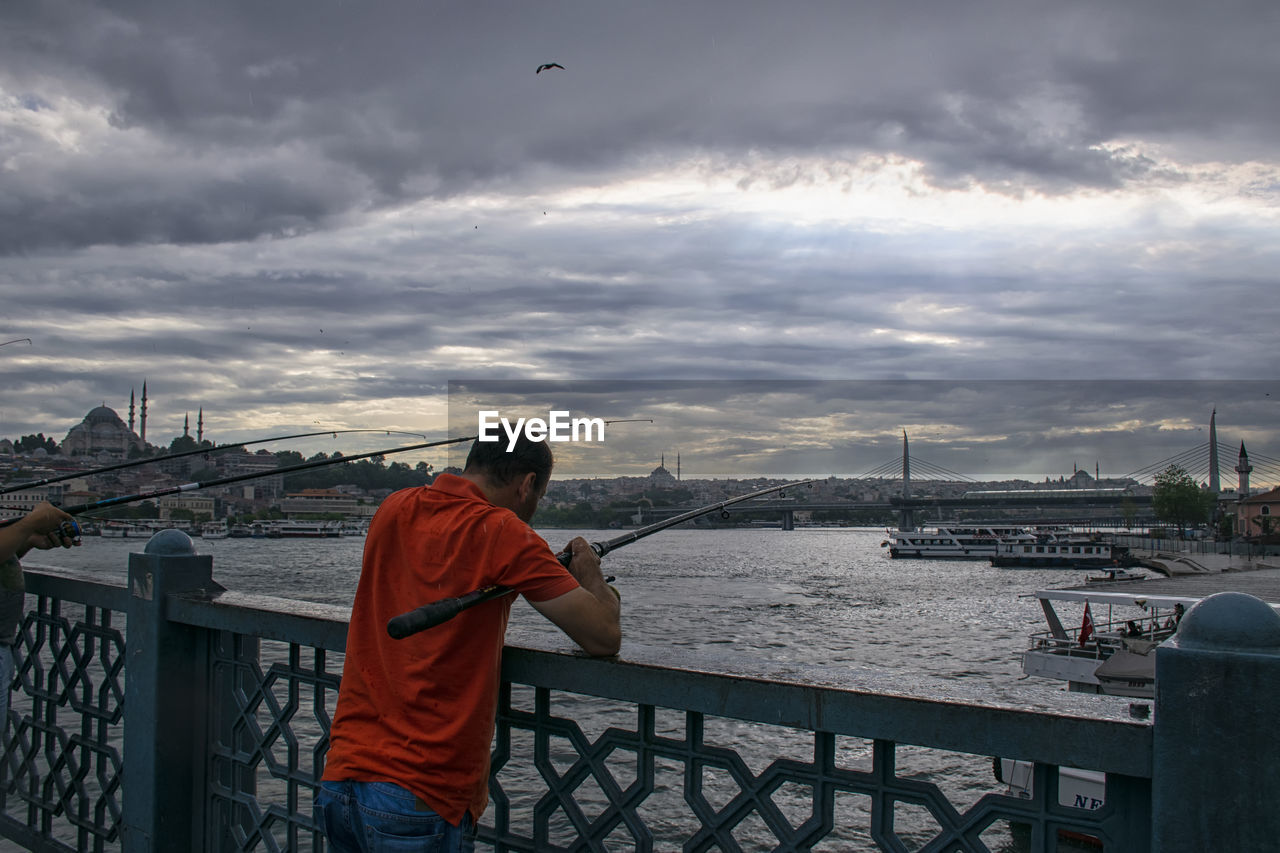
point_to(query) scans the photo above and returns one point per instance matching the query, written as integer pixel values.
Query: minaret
(1243, 468)
(1215, 484)
(130, 410)
(200, 427)
(677, 466)
(143, 434)
(186, 425)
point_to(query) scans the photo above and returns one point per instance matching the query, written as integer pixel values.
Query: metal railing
(1173, 545)
(219, 740)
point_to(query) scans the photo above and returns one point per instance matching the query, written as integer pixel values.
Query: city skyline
(985, 430)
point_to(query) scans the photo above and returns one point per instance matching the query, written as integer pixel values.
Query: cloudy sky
(296, 214)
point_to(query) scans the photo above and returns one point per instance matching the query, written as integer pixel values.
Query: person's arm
(41, 528)
(591, 614)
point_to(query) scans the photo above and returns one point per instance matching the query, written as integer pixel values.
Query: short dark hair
(495, 461)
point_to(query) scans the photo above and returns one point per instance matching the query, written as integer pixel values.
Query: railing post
(165, 724)
(1216, 746)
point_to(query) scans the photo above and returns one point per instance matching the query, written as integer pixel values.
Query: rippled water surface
(822, 596)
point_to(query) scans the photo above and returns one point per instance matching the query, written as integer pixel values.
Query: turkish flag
(1086, 626)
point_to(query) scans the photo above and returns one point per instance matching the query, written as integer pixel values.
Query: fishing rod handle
(439, 612)
(566, 556)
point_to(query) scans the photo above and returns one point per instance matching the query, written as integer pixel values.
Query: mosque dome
(103, 415)
(661, 474)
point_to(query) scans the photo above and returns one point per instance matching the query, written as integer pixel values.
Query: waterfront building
(318, 501)
(18, 504)
(197, 504)
(1260, 515)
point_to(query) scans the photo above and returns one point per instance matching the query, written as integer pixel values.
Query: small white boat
(1111, 650)
(1081, 789)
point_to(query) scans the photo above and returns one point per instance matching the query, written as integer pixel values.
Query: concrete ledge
(1173, 564)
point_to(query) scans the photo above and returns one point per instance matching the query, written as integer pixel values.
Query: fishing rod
(252, 475)
(178, 455)
(438, 612)
(77, 509)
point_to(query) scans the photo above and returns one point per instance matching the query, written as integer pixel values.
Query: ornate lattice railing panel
(556, 788)
(270, 732)
(62, 765)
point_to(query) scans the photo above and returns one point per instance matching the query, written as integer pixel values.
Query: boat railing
(1106, 638)
(220, 739)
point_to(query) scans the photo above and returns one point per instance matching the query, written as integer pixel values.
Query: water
(755, 600)
(813, 596)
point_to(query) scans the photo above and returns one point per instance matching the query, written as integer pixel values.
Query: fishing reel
(68, 533)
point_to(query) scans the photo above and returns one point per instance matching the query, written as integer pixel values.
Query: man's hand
(590, 615)
(49, 527)
(585, 562)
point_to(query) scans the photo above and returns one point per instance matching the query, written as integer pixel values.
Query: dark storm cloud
(271, 119)
(292, 212)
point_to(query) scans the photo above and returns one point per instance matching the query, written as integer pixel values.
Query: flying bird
(547, 66)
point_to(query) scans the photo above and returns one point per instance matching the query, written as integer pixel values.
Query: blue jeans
(379, 817)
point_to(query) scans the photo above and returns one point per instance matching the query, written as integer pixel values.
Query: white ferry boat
(304, 529)
(123, 530)
(1053, 551)
(959, 542)
(214, 530)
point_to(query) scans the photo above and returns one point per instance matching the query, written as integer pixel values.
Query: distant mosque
(661, 474)
(103, 431)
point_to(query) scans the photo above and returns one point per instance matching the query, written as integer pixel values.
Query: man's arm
(40, 528)
(590, 614)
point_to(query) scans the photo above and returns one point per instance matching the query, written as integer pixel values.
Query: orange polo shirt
(419, 712)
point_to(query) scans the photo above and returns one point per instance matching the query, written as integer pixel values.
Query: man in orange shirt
(408, 760)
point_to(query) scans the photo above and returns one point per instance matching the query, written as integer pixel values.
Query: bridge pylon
(906, 520)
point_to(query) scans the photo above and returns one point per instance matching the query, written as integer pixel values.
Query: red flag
(1086, 626)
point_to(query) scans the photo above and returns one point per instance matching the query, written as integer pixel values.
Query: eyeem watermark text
(557, 427)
